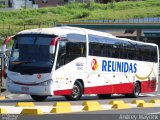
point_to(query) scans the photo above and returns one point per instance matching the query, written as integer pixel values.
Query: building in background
(81, 0)
(48, 3)
(21, 4)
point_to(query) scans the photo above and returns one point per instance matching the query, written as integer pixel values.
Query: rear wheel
(38, 98)
(136, 91)
(77, 92)
(103, 96)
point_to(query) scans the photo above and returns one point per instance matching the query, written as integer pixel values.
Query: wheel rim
(75, 91)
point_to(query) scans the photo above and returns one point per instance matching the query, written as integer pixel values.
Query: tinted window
(30, 54)
(116, 48)
(74, 47)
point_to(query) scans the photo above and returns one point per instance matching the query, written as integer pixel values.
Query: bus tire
(103, 96)
(77, 92)
(136, 91)
(3, 90)
(38, 97)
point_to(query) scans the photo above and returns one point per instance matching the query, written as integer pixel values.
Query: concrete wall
(18, 4)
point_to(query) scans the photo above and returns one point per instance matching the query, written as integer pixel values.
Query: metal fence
(9, 29)
(136, 20)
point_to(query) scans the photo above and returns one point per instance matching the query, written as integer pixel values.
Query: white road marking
(152, 95)
(22, 95)
(10, 96)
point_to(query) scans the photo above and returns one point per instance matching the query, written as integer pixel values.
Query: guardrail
(132, 20)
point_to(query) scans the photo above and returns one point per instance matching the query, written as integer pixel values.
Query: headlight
(46, 83)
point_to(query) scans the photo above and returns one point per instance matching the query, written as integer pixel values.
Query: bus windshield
(30, 54)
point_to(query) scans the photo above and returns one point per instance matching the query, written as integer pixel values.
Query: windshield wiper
(19, 63)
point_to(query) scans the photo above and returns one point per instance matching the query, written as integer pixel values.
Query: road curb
(3, 111)
(116, 102)
(142, 105)
(25, 104)
(91, 106)
(66, 107)
(2, 97)
(138, 101)
(61, 107)
(63, 104)
(121, 106)
(31, 111)
(154, 101)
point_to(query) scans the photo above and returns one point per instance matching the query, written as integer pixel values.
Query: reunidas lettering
(116, 66)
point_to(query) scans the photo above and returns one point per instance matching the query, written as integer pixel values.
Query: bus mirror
(6, 41)
(52, 49)
(53, 45)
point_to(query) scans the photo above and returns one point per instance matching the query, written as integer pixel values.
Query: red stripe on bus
(110, 89)
(63, 92)
(148, 86)
(125, 88)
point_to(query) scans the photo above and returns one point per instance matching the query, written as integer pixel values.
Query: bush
(81, 11)
(2, 6)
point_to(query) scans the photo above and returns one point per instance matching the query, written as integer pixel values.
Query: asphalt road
(124, 114)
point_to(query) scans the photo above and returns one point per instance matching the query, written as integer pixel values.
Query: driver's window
(15, 52)
(61, 54)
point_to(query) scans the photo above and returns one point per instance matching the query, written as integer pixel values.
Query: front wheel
(38, 98)
(3, 90)
(77, 92)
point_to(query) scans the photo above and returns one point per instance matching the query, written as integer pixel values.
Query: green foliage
(79, 11)
(1, 6)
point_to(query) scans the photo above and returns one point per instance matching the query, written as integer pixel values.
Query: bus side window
(95, 49)
(75, 50)
(61, 54)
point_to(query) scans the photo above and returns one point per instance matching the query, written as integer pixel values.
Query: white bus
(70, 62)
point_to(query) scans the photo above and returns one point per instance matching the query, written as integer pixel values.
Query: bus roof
(63, 30)
(60, 31)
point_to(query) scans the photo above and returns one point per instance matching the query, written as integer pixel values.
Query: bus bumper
(32, 90)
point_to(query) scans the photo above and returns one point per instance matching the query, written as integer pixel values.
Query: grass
(80, 11)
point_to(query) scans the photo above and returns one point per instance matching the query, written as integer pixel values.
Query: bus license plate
(25, 89)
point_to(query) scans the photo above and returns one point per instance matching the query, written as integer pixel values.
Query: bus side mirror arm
(6, 41)
(54, 42)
